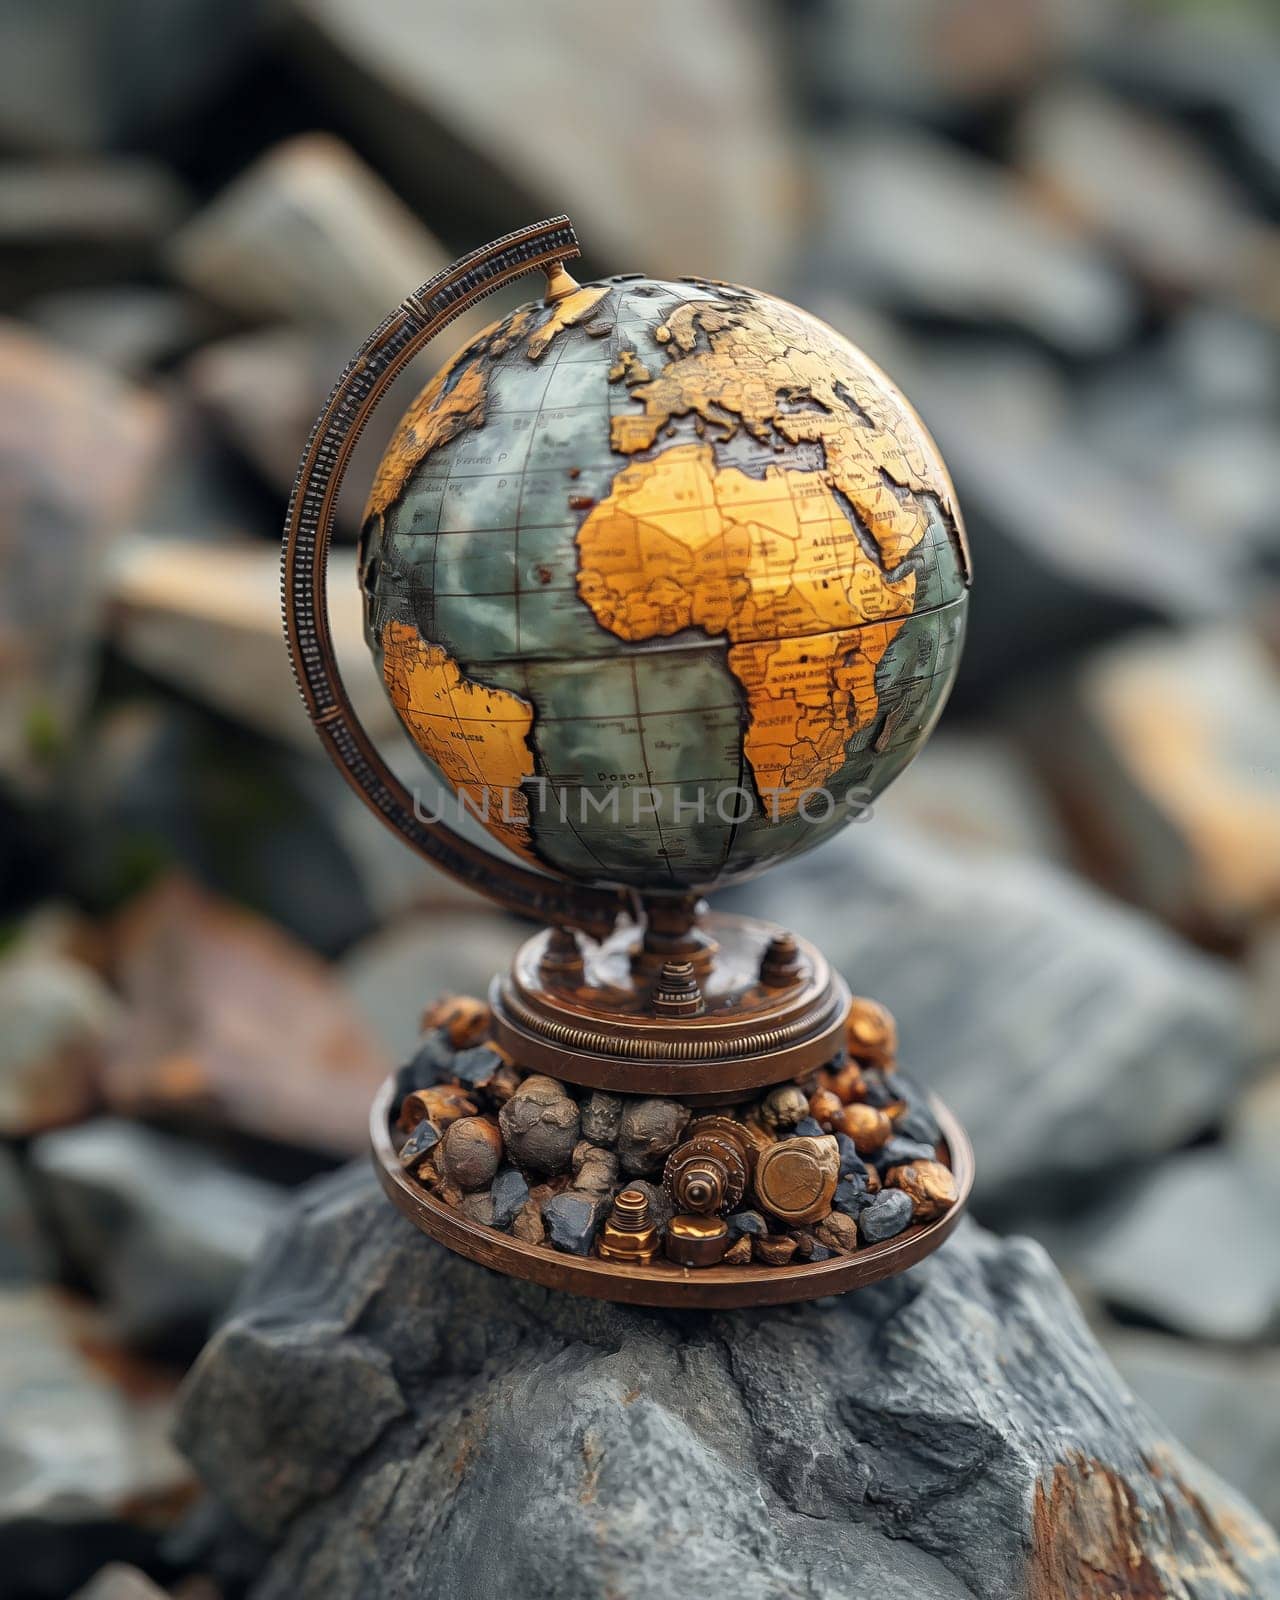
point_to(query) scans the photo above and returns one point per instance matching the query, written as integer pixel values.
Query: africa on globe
(665, 579)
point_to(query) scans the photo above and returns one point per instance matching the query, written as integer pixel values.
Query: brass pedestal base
(597, 1015)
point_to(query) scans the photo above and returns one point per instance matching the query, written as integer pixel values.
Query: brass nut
(796, 1178)
(628, 1235)
(694, 1241)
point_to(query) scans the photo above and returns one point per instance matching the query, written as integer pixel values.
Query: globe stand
(731, 1063)
(747, 1007)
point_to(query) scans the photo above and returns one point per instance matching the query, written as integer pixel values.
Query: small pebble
(820, 1253)
(876, 1092)
(868, 1127)
(888, 1214)
(510, 1195)
(432, 1062)
(809, 1128)
(421, 1142)
(899, 1151)
(444, 1103)
(929, 1185)
(747, 1222)
(848, 1083)
(540, 1125)
(851, 1163)
(478, 1207)
(601, 1116)
(572, 1221)
(851, 1197)
(824, 1107)
(478, 1067)
(739, 1252)
(471, 1152)
(528, 1226)
(919, 1123)
(463, 1019)
(774, 1249)
(597, 1172)
(648, 1131)
(838, 1232)
(783, 1107)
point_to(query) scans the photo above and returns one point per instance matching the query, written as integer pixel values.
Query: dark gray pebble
(919, 1123)
(510, 1193)
(572, 1221)
(877, 1091)
(851, 1196)
(896, 1151)
(477, 1065)
(885, 1217)
(809, 1128)
(851, 1163)
(421, 1141)
(431, 1063)
(747, 1222)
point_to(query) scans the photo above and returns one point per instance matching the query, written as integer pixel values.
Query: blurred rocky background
(1056, 222)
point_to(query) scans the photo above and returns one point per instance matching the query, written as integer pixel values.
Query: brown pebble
(596, 1171)
(471, 1152)
(894, 1110)
(871, 1034)
(849, 1083)
(528, 1226)
(443, 1104)
(448, 1192)
(866, 1126)
(540, 1125)
(464, 1018)
(478, 1207)
(838, 1232)
(503, 1084)
(825, 1106)
(805, 1244)
(774, 1249)
(930, 1185)
(783, 1107)
(739, 1252)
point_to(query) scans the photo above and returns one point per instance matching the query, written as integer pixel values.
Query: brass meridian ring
(304, 558)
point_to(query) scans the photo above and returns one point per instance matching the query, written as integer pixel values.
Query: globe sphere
(666, 580)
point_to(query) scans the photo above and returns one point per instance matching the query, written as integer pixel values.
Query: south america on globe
(666, 580)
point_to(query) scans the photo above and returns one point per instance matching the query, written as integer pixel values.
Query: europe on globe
(666, 580)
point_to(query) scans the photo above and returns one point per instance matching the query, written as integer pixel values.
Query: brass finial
(676, 993)
(561, 960)
(780, 964)
(560, 282)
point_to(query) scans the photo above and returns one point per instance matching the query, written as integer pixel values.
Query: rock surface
(377, 1408)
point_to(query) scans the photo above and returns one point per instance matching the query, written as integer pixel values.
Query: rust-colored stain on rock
(1093, 1539)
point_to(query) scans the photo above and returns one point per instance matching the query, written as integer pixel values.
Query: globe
(665, 579)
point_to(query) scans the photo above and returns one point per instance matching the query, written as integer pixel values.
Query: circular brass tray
(664, 1284)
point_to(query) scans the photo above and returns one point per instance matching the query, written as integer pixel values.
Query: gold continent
(796, 1178)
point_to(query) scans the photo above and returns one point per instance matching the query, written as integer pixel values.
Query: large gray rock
(1222, 1405)
(390, 1419)
(1069, 1035)
(1196, 1248)
(160, 1227)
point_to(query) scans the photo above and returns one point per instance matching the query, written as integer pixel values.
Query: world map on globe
(666, 580)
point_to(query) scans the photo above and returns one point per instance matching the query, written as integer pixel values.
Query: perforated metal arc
(304, 561)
